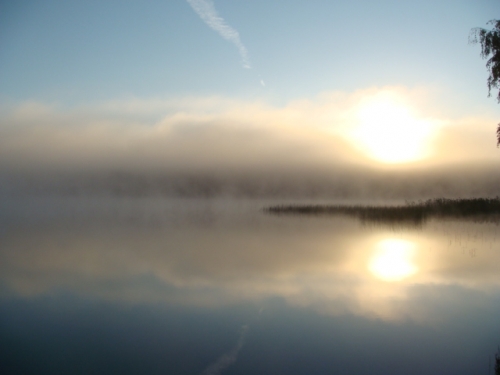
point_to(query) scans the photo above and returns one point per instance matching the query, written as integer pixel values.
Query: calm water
(151, 286)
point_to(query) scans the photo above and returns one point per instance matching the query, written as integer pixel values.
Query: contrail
(206, 10)
(228, 358)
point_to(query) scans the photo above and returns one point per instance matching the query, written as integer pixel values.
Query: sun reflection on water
(393, 260)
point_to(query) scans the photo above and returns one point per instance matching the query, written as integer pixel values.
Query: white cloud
(206, 10)
(213, 134)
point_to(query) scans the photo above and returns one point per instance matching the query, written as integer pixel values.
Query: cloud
(220, 146)
(206, 135)
(227, 359)
(207, 12)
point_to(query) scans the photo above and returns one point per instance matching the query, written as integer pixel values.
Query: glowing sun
(388, 131)
(393, 260)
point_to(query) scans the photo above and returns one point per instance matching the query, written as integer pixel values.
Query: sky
(205, 85)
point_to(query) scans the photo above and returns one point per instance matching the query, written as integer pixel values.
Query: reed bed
(483, 209)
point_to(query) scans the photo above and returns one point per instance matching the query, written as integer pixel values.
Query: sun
(388, 131)
(393, 260)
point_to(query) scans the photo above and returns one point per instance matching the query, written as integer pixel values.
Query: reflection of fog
(212, 253)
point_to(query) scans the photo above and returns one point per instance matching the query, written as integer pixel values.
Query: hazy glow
(217, 134)
(388, 131)
(393, 260)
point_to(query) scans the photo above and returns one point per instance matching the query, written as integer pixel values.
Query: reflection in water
(207, 258)
(227, 359)
(393, 260)
(217, 253)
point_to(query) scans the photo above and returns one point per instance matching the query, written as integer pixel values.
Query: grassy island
(482, 209)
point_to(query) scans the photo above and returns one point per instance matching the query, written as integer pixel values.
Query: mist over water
(135, 241)
(315, 291)
(356, 183)
(222, 147)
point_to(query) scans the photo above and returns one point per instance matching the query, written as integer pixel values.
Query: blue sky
(74, 52)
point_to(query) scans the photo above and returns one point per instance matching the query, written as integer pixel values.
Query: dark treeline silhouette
(416, 213)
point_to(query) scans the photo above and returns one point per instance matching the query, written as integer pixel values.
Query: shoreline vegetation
(412, 213)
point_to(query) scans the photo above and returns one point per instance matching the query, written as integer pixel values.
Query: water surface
(158, 286)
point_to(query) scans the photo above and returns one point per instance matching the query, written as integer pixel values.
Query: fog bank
(206, 147)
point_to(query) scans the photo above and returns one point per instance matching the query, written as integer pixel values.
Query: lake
(218, 286)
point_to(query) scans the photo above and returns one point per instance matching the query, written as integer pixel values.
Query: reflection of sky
(216, 255)
(123, 286)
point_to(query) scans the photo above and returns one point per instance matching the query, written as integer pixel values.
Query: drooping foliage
(490, 49)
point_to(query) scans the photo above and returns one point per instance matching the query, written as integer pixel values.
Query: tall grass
(412, 212)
